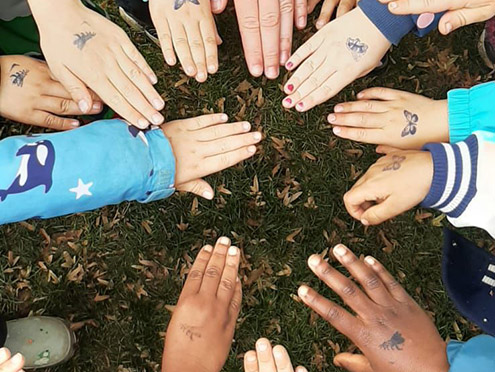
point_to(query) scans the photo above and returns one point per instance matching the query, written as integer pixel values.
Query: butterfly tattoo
(412, 122)
(18, 78)
(179, 3)
(356, 47)
(396, 163)
(82, 39)
(394, 343)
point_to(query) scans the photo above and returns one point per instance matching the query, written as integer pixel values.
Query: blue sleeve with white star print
(104, 163)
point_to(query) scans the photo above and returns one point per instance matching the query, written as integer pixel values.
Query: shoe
(43, 341)
(139, 19)
(486, 44)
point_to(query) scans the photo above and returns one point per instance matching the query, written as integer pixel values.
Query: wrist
(184, 363)
(44, 8)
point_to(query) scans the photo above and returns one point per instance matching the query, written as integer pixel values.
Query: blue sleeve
(395, 27)
(476, 355)
(471, 110)
(107, 162)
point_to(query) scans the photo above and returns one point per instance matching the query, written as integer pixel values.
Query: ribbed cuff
(459, 115)
(440, 173)
(393, 27)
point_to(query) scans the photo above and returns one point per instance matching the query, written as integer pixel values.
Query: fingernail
(16, 359)
(303, 291)
(314, 260)
(340, 250)
(158, 103)
(284, 56)
(212, 69)
(190, 70)
(224, 240)
(97, 106)
(3, 352)
(246, 126)
(288, 101)
(153, 78)
(290, 88)
(252, 149)
(300, 106)
(448, 27)
(143, 123)
(256, 70)
(337, 130)
(289, 65)
(262, 346)
(365, 222)
(233, 251)
(392, 5)
(74, 123)
(338, 108)
(158, 118)
(251, 358)
(208, 248)
(215, 5)
(370, 260)
(331, 118)
(320, 24)
(201, 76)
(278, 354)
(208, 195)
(257, 136)
(83, 106)
(301, 22)
(272, 72)
(360, 95)
(224, 117)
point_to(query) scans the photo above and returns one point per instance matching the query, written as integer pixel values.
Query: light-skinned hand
(189, 28)
(396, 183)
(202, 327)
(10, 363)
(206, 145)
(84, 49)
(268, 359)
(459, 13)
(390, 329)
(345, 49)
(384, 116)
(29, 95)
(328, 8)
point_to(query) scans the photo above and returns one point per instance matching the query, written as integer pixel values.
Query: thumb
(382, 211)
(198, 187)
(218, 6)
(455, 19)
(353, 362)
(385, 150)
(77, 89)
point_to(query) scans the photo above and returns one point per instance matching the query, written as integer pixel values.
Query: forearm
(103, 163)
(50, 8)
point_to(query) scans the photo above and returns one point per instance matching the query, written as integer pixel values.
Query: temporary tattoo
(18, 77)
(396, 163)
(14, 65)
(357, 48)
(190, 332)
(179, 3)
(394, 343)
(412, 122)
(82, 39)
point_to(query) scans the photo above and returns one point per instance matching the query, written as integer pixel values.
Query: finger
(249, 26)
(368, 279)
(345, 6)
(14, 364)
(300, 14)
(137, 58)
(205, 121)
(423, 6)
(140, 80)
(392, 285)
(307, 49)
(309, 68)
(223, 130)
(235, 304)
(363, 135)
(264, 353)
(327, 10)
(312, 5)
(197, 51)
(286, 22)
(4, 355)
(46, 120)
(218, 6)
(208, 32)
(282, 359)
(228, 281)
(341, 285)
(339, 318)
(381, 212)
(251, 362)
(198, 187)
(217, 163)
(383, 149)
(229, 144)
(215, 267)
(355, 198)
(459, 18)
(270, 36)
(64, 106)
(358, 119)
(385, 94)
(197, 271)
(353, 362)
(165, 37)
(181, 45)
(361, 106)
(76, 88)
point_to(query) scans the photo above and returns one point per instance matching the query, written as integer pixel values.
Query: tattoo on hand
(179, 3)
(190, 332)
(357, 48)
(18, 77)
(82, 39)
(396, 163)
(412, 122)
(394, 343)
(14, 65)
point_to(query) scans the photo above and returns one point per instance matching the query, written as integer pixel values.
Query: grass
(115, 245)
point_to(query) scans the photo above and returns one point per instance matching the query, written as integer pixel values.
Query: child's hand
(391, 330)
(266, 359)
(328, 7)
(396, 183)
(29, 95)
(342, 51)
(10, 363)
(189, 27)
(207, 145)
(390, 117)
(203, 323)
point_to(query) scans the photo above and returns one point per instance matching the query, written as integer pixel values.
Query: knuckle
(227, 284)
(210, 40)
(270, 19)
(196, 43)
(235, 305)
(326, 89)
(332, 314)
(250, 23)
(50, 121)
(134, 73)
(286, 6)
(64, 106)
(368, 105)
(349, 290)
(196, 275)
(361, 134)
(314, 82)
(212, 272)
(372, 282)
(181, 41)
(115, 99)
(224, 160)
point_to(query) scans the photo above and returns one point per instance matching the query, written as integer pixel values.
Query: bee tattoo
(82, 38)
(356, 47)
(396, 163)
(394, 343)
(412, 123)
(18, 77)
(179, 3)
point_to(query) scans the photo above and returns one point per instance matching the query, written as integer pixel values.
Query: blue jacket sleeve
(471, 110)
(395, 27)
(106, 162)
(476, 355)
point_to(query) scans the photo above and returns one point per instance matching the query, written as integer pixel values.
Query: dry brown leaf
(292, 235)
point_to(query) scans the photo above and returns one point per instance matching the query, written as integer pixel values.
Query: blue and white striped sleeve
(104, 163)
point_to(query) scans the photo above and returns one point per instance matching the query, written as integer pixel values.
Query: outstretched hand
(268, 359)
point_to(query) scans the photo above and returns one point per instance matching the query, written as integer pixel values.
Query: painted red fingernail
(289, 65)
(300, 105)
(288, 101)
(290, 87)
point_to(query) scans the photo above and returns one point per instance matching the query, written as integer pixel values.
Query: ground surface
(118, 268)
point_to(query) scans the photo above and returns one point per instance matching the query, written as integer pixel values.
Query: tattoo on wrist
(178, 3)
(412, 123)
(396, 163)
(17, 78)
(394, 343)
(357, 48)
(82, 38)
(190, 331)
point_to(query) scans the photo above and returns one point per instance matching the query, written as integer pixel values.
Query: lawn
(117, 271)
